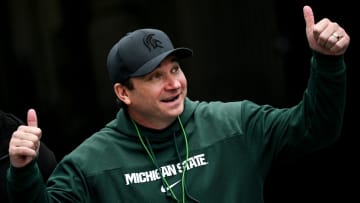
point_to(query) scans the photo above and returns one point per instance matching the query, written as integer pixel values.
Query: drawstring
(152, 158)
(163, 180)
(184, 186)
(151, 155)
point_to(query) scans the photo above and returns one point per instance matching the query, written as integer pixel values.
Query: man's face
(159, 96)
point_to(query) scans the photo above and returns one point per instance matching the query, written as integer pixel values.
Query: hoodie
(225, 148)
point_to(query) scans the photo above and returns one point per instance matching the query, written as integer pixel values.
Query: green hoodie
(230, 149)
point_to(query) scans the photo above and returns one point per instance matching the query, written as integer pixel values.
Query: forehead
(168, 60)
(172, 60)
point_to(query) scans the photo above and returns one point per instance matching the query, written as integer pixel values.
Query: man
(46, 159)
(163, 147)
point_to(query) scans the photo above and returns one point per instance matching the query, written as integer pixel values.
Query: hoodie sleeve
(315, 122)
(324, 99)
(27, 179)
(323, 104)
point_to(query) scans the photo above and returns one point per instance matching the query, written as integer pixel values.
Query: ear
(122, 93)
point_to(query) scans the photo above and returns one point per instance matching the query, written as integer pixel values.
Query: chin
(176, 112)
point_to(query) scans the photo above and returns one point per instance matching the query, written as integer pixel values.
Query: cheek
(183, 82)
(182, 79)
(149, 93)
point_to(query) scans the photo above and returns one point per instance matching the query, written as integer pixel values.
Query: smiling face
(158, 97)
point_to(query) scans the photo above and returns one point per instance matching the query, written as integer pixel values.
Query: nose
(172, 83)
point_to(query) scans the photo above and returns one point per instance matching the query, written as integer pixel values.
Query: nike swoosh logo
(170, 186)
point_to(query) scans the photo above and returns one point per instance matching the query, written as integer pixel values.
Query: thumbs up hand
(325, 36)
(25, 142)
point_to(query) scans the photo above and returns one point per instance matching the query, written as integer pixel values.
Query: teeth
(171, 99)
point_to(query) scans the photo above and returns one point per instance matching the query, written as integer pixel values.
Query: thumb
(32, 118)
(308, 16)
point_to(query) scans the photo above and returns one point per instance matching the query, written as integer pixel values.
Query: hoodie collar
(123, 124)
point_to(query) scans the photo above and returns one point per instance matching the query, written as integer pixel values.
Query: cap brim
(149, 66)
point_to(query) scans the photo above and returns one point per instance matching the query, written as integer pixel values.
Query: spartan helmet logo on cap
(150, 42)
(139, 52)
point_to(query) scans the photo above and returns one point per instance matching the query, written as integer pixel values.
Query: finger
(32, 118)
(22, 151)
(329, 33)
(29, 133)
(308, 16)
(340, 46)
(332, 40)
(25, 143)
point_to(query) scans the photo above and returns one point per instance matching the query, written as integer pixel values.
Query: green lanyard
(152, 158)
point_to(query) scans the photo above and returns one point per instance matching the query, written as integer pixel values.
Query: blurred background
(53, 56)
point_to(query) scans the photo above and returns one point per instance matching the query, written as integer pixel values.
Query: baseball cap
(139, 52)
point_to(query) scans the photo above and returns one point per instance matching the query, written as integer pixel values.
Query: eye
(155, 76)
(175, 69)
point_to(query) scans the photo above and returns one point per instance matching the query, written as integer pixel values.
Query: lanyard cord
(186, 160)
(152, 158)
